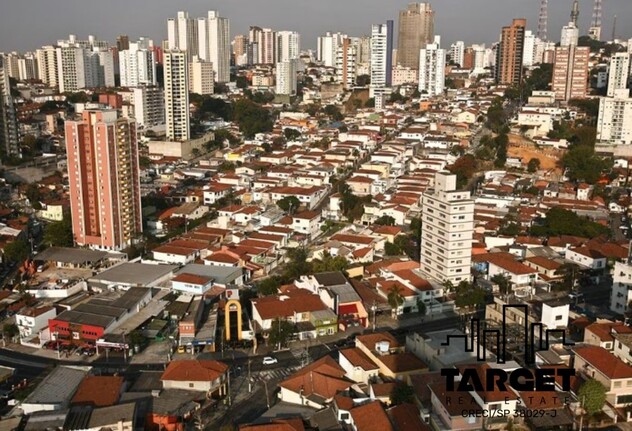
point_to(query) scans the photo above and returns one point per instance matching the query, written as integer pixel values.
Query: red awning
(347, 309)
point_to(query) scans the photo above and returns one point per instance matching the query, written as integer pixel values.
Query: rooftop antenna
(543, 20)
(614, 27)
(595, 28)
(575, 12)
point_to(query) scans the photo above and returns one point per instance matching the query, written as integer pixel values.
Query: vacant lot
(522, 147)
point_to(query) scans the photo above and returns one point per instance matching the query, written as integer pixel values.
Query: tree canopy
(280, 332)
(252, 118)
(592, 395)
(16, 251)
(559, 221)
(583, 164)
(289, 204)
(59, 233)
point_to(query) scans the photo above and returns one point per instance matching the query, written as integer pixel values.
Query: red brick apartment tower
(104, 181)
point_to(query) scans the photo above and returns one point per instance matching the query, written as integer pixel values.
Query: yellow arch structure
(232, 305)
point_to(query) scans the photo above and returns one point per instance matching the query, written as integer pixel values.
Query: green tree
(503, 282)
(242, 82)
(330, 263)
(385, 220)
(298, 264)
(469, 296)
(34, 196)
(269, 286)
(16, 251)
(559, 221)
(333, 112)
(569, 273)
(59, 233)
(533, 165)
(10, 330)
(415, 227)
(584, 165)
(289, 204)
(391, 249)
(592, 396)
(363, 80)
(291, 134)
(395, 297)
(252, 118)
(280, 333)
(401, 394)
(421, 306)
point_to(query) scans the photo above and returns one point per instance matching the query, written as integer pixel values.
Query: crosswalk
(276, 374)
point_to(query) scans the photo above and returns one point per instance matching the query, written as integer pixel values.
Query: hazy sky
(29, 24)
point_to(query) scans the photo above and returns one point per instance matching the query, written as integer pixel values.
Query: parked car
(269, 360)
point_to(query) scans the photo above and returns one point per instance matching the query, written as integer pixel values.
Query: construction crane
(543, 19)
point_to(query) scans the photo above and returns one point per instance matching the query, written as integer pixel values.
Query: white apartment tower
(214, 44)
(176, 95)
(619, 72)
(70, 68)
(201, 76)
(327, 48)
(286, 77)
(446, 233)
(381, 57)
(457, 52)
(614, 125)
(138, 64)
(182, 34)
(288, 45)
(47, 65)
(432, 69)
(528, 51)
(149, 106)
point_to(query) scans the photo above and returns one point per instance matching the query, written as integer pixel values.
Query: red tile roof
(99, 391)
(371, 417)
(194, 371)
(604, 361)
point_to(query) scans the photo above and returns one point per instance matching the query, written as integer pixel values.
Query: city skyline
(450, 20)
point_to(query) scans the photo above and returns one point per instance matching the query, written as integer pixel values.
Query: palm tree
(395, 298)
(503, 282)
(568, 271)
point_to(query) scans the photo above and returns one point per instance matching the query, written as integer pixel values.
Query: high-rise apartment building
(570, 72)
(618, 72)
(510, 52)
(182, 34)
(528, 54)
(27, 67)
(103, 175)
(201, 76)
(214, 44)
(457, 52)
(240, 50)
(346, 63)
(614, 125)
(288, 45)
(286, 77)
(176, 71)
(71, 70)
(416, 30)
(363, 56)
(149, 106)
(267, 42)
(432, 69)
(9, 145)
(447, 229)
(327, 48)
(122, 42)
(137, 64)
(381, 57)
(47, 65)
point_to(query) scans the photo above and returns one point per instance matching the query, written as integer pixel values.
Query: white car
(269, 360)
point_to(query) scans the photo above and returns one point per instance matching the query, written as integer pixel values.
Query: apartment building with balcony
(448, 225)
(104, 180)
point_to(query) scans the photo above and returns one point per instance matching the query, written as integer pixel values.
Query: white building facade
(447, 229)
(177, 95)
(432, 69)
